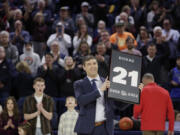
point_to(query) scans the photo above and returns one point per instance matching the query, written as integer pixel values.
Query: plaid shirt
(67, 123)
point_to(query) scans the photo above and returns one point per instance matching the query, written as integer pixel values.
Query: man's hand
(105, 85)
(141, 86)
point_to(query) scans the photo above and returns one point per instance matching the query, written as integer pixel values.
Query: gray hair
(148, 76)
(4, 33)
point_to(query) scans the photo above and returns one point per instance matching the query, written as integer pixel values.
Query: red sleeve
(170, 114)
(138, 108)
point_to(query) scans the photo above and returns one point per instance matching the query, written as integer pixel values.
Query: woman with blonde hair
(24, 80)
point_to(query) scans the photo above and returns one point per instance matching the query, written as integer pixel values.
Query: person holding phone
(63, 39)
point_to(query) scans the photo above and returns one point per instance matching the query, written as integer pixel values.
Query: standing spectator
(66, 20)
(39, 34)
(174, 78)
(70, 75)
(31, 58)
(102, 59)
(96, 110)
(82, 36)
(58, 58)
(119, 38)
(7, 73)
(105, 38)
(19, 37)
(68, 119)
(51, 74)
(41, 7)
(152, 60)
(4, 15)
(138, 12)
(10, 118)
(150, 15)
(38, 109)
(171, 35)
(130, 47)
(63, 39)
(101, 26)
(83, 51)
(88, 17)
(23, 89)
(129, 24)
(11, 50)
(152, 110)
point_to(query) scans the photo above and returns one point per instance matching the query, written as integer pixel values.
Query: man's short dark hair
(148, 76)
(50, 54)
(87, 58)
(38, 79)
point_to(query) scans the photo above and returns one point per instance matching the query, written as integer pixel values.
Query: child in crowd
(68, 119)
(24, 128)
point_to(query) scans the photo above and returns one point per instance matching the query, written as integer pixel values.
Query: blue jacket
(86, 98)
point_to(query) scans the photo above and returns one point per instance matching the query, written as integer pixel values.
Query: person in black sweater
(51, 73)
(70, 75)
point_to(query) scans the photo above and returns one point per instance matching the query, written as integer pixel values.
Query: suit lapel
(87, 85)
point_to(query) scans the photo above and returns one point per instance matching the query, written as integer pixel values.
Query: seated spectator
(38, 109)
(51, 73)
(82, 35)
(10, 118)
(64, 17)
(39, 33)
(68, 119)
(119, 38)
(11, 50)
(70, 75)
(19, 36)
(7, 73)
(63, 39)
(31, 58)
(22, 85)
(25, 128)
(130, 47)
(102, 59)
(88, 17)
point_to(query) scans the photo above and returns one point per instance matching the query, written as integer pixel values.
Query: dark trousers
(99, 130)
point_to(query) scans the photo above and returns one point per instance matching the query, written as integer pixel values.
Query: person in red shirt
(155, 105)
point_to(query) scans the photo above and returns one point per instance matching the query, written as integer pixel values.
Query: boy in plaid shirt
(68, 119)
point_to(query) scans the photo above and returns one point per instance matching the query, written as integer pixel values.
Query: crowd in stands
(50, 38)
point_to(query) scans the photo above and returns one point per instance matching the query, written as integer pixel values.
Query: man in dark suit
(96, 112)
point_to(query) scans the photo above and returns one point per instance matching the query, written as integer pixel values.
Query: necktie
(94, 84)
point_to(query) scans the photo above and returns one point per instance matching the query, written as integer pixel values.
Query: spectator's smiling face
(39, 88)
(91, 68)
